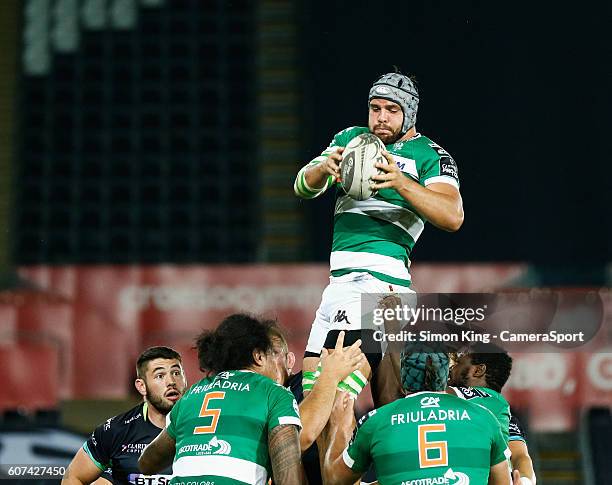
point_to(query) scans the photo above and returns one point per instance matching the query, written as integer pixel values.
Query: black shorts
(371, 347)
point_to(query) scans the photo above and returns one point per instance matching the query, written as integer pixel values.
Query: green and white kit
(221, 427)
(373, 238)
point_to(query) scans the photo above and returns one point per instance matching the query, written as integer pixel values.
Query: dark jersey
(310, 458)
(516, 430)
(116, 445)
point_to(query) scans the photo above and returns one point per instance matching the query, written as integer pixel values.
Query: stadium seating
(122, 117)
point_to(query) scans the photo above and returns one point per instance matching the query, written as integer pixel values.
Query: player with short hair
(112, 450)
(478, 375)
(238, 425)
(427, 437)
(373, 238)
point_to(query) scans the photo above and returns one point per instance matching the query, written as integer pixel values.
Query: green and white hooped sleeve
(302, 189)
(309, 378)
(353, 384)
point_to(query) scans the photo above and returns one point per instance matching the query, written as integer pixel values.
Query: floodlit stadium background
(147, 156)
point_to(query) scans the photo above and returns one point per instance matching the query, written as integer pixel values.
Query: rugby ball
(357, 166)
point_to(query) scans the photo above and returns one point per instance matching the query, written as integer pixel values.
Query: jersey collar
(424, 392)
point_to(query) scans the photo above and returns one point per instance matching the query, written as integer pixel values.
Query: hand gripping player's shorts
(347, 304)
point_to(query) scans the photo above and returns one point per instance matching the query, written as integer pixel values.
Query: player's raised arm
(285, 455)
(316, 407)
(315, 177)
(158, 454)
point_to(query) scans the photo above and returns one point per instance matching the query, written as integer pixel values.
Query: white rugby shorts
(341, 305)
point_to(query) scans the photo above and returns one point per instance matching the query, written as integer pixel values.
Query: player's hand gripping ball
(357, 166)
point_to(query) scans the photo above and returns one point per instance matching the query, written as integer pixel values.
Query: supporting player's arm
(285, 456)
(82, 470)
(439, 203)
(316, 407)
(158, 454)
(521, 461)
(387, 380)
(499, 475)
(341, 424)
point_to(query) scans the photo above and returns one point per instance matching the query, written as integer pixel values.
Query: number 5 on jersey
(206, 412)
(440, 458)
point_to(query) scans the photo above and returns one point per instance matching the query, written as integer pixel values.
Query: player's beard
(388, 137)
(164, 406)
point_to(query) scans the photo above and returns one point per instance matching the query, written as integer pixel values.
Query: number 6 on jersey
(425, 460)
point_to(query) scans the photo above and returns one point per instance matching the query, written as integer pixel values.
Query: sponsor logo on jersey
(341, 317)
(214, 447)
(138, 479)
(406, 165)
(449, 478)
(432, 415)
(457, 478)
(133, 447)
(362, 420)
(107, 425)
(430, 402)
(448, 167)
(218, 384)
(128, 421)
(439, 150)
(447, 164)
(471, 393)
(225, 375)
(365, 417)
(515, 431)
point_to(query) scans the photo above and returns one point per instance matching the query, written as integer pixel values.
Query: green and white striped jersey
(377, 235)
(221, 428)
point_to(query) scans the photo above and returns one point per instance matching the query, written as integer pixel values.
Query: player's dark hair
(412, 77)
(497, 362)
(231, 345)
(433, 381)
(423, 367)
(154, 353)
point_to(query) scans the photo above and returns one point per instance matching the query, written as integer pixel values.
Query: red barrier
(31, 376)
(106, 316)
